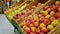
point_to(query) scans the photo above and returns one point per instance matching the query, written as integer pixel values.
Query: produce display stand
(16, 25)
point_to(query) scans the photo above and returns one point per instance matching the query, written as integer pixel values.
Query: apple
(33, 29)
(55, 23)
(50, 27)
(54, 7)
(36, 24)
(31, 25)
(31, 19)
(47, 21)
(27, 30)
(58, 19)
(35, 16)
(47, 16)
(52, 13)
(57, 15)
(42, 11)
(48, 10)
(29, 12)
(46, 7)
(42, 25)
(57, 2)
(44, 30)
(28, 23)
(45, 13)
(41, 18)
(38, 30)
(52, 18)
(59, 9)
(42, 33)
(24, 27)
(22, 24)
(32, 33)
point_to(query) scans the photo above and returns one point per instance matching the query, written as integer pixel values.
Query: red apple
(57, 15)
(40, 15)
(28, 23)
(29, 12)
(31, 25)
(27, 30)
(38, 30)
(44, 30)
(22, 24)
(46, 7)
(32, 33)
(49, 9)
(31, 19)
(52, 18)
(47, 21)
(36, 24)
(41, 19)
(58, 19)
(42, 33)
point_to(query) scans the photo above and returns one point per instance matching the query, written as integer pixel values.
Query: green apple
(42, 25)
(33, 29)
(35, 16)
(50, 27)
(55, 23)
(52, 12)
(45, 12)
(47, 16)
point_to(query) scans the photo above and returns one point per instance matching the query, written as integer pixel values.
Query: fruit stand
(35, 17)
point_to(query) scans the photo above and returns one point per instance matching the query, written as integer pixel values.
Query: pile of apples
(44, 22)
(26, 12)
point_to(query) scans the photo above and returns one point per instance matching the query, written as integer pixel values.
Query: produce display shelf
(21, 31)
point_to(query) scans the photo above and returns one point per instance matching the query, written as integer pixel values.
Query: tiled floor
(5, 26)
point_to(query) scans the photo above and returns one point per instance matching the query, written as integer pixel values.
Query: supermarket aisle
(5, 26)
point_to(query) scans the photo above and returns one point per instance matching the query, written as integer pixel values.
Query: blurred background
(5, 4)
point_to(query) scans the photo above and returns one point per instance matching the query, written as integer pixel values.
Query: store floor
(5, 26)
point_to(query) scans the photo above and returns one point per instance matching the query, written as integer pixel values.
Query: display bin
(21, 31)
(38, 9)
